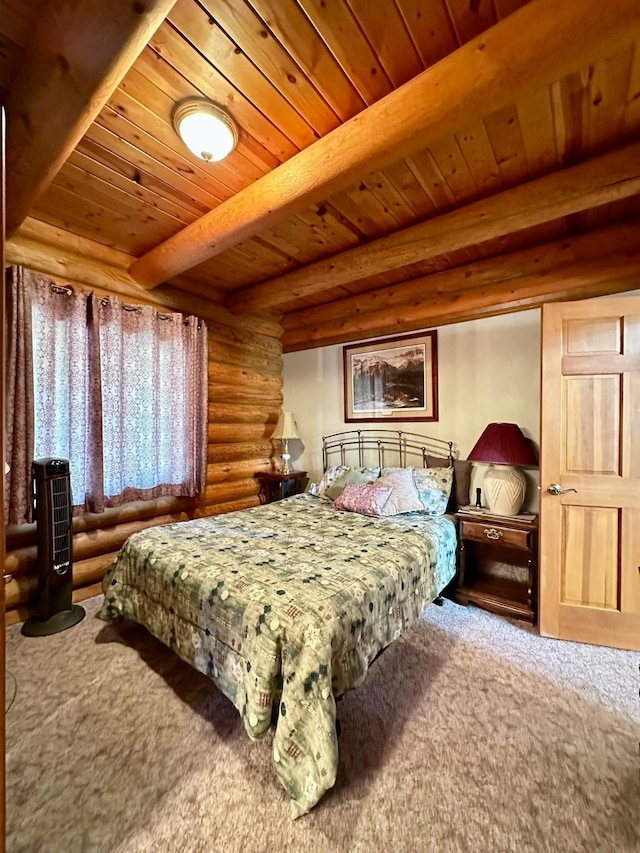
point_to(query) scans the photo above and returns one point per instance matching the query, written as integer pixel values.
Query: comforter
(284, 607)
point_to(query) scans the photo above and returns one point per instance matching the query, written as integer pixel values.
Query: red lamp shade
(504, 444)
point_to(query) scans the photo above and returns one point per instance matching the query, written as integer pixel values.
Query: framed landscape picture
(395, 379)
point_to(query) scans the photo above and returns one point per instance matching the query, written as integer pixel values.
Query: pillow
(404, 495)
(396, 492)
(366, 499)
(329, 476)
(461, 479)
(433, 488)
(351, 475)
(332, 474)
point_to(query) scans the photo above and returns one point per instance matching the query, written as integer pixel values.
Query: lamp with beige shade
(285, 430)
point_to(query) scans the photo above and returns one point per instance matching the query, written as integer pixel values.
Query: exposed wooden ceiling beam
(596, 244)
(79, 51)
(581, 280)
(535, 46)
(599, 181)
(603, 261)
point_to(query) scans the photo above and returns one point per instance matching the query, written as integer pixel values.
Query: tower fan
(52, 508)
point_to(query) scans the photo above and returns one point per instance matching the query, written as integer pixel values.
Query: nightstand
(276, 486)
(498, 563)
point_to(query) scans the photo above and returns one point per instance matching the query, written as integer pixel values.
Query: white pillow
(433, 486)
(404, 495)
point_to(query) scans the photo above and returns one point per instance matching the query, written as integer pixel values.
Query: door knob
(556, 489)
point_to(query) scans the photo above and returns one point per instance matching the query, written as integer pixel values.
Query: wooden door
(590, 448)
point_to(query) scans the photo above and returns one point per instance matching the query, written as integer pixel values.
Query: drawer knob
(492, 533)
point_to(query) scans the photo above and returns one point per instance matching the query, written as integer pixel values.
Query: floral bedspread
(284, 607)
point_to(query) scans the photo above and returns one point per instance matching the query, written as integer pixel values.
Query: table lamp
(504, 446)
(285, 430)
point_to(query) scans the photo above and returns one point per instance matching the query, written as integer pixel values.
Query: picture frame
(393, 379)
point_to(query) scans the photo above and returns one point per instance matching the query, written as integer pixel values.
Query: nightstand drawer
(490, 532)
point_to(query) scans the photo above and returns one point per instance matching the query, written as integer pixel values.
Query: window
(154, 400)
(121, 392)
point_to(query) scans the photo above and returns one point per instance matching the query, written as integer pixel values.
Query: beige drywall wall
(488, 371)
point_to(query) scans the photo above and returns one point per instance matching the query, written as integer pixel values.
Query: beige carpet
(471, 734)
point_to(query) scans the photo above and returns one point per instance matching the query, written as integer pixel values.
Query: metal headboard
(387, 447)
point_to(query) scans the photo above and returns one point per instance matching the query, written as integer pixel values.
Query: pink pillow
(364, 498)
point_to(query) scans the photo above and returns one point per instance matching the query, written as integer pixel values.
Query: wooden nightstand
(498, 566)
(276, 486)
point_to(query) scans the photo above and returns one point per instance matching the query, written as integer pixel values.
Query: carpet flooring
(471, 733)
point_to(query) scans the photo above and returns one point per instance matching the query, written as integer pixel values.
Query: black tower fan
(52, 509)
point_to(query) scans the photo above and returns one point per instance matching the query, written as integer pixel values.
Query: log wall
(245, 398)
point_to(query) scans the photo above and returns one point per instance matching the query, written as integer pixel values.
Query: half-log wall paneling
(245, 397)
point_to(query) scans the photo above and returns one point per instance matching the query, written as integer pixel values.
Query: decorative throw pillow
(461, 479)
(351, 475)
(404, 495)
(366, 499)
(332, 474)
(434, 488)
(328, 477)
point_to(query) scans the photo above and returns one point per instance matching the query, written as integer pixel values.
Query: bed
(285, 606)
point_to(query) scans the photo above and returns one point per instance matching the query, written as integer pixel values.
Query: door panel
(589, 576)
(631, 432)
(591, 337)
(630, 587)
(590, 445)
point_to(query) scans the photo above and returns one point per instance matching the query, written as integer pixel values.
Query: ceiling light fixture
(206, 129)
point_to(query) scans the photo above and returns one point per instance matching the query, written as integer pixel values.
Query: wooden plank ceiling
(292, 71)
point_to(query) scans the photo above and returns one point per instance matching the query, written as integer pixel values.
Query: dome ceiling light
(206, 129)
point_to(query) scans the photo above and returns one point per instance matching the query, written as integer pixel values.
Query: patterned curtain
(67, 398)
(19, 395)
(154, 395)
(118, 390)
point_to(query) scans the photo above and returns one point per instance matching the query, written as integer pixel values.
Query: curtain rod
(105, 300)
